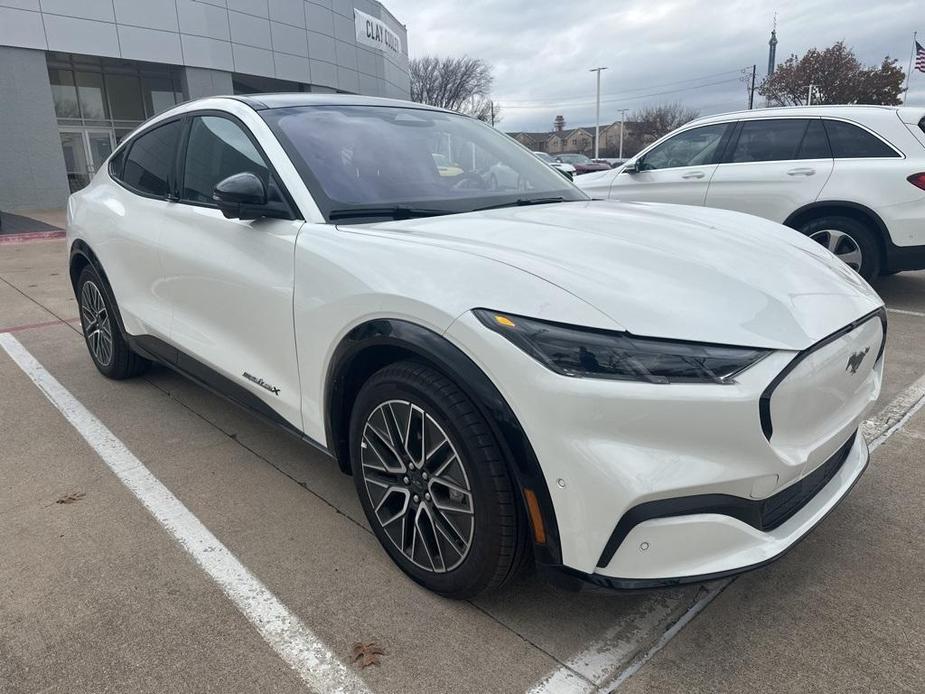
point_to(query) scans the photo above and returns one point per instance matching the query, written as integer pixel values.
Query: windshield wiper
(394, 212)
(522, 202)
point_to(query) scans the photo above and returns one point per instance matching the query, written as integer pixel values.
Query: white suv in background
(850, 177)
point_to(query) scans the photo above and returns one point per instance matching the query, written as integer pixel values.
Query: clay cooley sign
(373, 32)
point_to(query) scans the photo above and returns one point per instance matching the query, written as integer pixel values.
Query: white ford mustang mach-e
(634, 395)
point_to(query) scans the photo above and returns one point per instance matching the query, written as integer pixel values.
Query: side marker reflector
(536, 518)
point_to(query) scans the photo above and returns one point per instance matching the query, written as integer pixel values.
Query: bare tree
(649, 123)
(459, 84)
(837, 76)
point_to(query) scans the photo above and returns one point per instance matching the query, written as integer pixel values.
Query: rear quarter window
(150, 159)
(851, 142)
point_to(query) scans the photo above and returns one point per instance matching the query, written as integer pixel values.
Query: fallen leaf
(70, 498)
(367, 653)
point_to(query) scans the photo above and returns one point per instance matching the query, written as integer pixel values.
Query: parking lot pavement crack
(573, 674)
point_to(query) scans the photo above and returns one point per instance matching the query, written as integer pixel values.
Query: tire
(108, 349)
(450, 552)
(852, 241)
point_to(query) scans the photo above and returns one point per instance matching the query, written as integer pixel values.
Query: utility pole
(809, 99)
(751, 90)
(622, 122)
(597, 119)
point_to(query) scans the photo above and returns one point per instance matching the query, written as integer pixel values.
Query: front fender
(374, 343)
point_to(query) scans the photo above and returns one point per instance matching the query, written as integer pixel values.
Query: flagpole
(909, 74)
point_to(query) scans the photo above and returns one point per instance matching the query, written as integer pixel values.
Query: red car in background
(581, 163)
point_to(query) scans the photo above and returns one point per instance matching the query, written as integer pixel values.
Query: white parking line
(892, 417)
(607, 657)
(594, 667)
(294, 642)
(905, 312)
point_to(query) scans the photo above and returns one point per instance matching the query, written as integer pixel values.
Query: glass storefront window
(160, 94)
(64, 93)
(91, 96)
(125, 97)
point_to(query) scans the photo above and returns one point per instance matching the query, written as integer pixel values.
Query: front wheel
(433, 484)
(852, 242)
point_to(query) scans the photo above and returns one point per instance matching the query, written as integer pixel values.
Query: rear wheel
(108, 349)
(851, 241)
(433, 484)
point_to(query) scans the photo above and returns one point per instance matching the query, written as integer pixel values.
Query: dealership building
(76, 76)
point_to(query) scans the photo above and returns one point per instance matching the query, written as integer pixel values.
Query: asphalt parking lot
(96, 594)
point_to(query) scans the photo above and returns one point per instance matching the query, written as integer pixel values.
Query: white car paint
(776, 190)
(276, 297)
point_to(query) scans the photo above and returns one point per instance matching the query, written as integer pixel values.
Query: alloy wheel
(417, 485)
(842, 245)
(97, 326)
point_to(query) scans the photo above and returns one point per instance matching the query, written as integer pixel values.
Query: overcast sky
(655, 50)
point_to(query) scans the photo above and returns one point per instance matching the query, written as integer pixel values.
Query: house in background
(579, 140)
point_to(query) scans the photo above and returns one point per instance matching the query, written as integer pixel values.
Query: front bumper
(609, 447)
(708, 546)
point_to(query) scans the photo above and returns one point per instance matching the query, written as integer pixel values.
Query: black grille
(777, 509)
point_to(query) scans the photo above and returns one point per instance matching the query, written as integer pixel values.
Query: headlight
(577, 351)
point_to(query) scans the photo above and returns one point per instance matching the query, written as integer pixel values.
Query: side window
(116, 164)
(695, 147)
(815, 144)
(769, 140)
(851, 141)
(218, 148)
(150, 160)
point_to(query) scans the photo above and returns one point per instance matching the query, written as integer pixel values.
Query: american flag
(919, 57)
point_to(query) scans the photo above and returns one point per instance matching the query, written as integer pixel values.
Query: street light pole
(622, 122)
(597, 119)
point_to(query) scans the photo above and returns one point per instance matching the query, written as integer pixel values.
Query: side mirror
(244, 196)
(235, 194)
(631, 167)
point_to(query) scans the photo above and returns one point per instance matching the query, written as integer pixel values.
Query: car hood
(671, 271)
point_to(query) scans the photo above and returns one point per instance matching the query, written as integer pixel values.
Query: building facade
(76, 76)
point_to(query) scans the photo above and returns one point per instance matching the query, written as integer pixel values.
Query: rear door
(772, 167)
(229, 282)
(678, 170)
(131, 226)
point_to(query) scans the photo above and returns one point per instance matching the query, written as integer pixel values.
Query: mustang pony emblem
(854, 361)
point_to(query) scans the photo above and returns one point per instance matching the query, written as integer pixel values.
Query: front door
(229, 282)
(678, 170)
(85, 150)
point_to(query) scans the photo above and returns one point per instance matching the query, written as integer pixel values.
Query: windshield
(542, 156)
(365, 160)
(574, 159)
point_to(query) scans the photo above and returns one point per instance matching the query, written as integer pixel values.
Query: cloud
(693, 51)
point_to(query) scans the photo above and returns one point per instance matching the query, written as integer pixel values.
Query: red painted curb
(30, 236)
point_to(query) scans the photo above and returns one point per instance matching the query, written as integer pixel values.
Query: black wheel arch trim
(854, 206)
(895, 258)
(447, 358)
